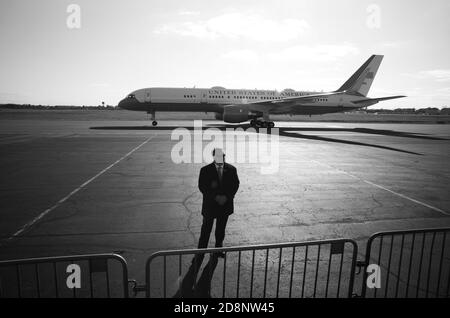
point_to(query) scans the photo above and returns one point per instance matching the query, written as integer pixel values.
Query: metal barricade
(77, 276)
(287, 270)
(413, 263)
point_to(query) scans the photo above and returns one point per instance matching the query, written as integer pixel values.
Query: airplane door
(203, 96)
(147, 96)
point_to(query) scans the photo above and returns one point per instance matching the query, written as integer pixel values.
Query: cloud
(393, 44)
(188, 13)
(99, 85)
(444, 90)
(241, 55)
(441, 75)
(302, 53)
(319, 53)
(237, 26)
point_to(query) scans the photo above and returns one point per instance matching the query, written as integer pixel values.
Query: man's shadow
(189, 287)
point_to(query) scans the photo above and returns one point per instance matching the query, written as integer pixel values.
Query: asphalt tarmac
(95, 186)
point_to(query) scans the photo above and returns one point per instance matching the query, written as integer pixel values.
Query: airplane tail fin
(362, 79)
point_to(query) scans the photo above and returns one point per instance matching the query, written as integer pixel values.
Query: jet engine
(235, 114)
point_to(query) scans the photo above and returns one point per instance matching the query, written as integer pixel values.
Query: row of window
(246, 97)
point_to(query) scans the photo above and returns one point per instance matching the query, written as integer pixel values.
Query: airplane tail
(361, 81)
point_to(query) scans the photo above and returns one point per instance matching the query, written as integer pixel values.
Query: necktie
(220, 171)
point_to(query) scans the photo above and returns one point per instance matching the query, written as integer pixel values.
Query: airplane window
(131, 96)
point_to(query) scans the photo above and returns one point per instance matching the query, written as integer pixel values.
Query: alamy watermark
(240, 146)
(374, 18)
(374, 278)
(74, 278)
(73, 20)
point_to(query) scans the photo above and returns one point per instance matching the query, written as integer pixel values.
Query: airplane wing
(285, 102)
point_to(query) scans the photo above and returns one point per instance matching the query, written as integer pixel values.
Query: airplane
(256, 106)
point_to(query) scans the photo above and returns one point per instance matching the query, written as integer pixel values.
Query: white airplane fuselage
(214, 100)
(240, 105)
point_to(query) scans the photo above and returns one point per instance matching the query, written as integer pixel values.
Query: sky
(83, 52)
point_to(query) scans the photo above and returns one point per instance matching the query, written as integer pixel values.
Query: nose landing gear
(153, 117)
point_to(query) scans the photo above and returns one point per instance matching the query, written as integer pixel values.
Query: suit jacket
(210, 186)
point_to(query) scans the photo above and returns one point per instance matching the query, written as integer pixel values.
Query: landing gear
(256, 123)
(153, 117)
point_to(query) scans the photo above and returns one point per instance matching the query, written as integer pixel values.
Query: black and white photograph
(225, 155)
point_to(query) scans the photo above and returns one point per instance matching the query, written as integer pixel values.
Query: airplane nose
(123, 104)
(130, 103)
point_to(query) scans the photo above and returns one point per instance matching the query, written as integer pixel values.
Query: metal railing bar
(265, 271)
(292, 272)
(388, 274)
(238, 274)
(420, 264)
(252, 272)
(317, 270)
(440, 263)
(38, 285)
(399, 265)
(328, 273)
(430, 263)
(410, 263)
(304, 271)
(279, 271)
(224, 274)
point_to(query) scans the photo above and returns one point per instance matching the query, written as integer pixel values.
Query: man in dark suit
(218, 183)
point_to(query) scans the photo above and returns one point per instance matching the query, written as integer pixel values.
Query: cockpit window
(130, 96)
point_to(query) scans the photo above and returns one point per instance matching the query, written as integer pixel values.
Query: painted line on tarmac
(40, 216)
(379, 186)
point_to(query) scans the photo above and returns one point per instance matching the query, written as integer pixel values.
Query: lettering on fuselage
(256, 93)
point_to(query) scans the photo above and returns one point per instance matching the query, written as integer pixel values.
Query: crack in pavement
(190, 214)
